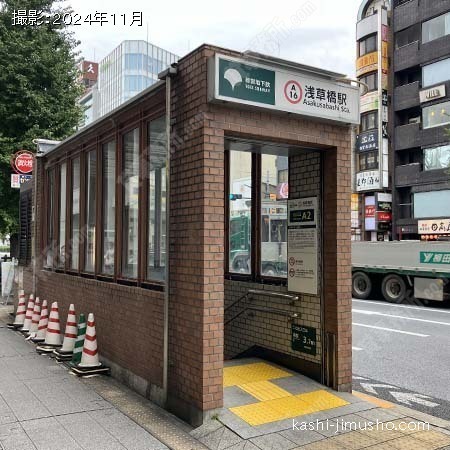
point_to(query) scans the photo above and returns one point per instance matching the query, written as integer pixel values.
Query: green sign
(435, 257)
(303, 339)
(245, 82)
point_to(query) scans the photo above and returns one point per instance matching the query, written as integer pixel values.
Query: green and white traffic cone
(79, 342)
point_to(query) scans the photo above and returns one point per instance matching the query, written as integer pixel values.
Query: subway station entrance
(249, 280)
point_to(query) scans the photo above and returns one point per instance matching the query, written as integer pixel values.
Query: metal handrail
(279, 312)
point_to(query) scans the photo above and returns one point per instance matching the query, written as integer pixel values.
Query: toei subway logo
(293, 92)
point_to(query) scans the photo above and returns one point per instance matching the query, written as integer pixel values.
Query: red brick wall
(129, 319)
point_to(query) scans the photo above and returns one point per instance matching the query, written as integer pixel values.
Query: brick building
(251, 138)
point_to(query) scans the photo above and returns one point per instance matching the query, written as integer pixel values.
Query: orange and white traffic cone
(28, 315)
(53, 335)
(35, 320)
(66, 351)
(20, 313)
(43, 323)
(90, 363)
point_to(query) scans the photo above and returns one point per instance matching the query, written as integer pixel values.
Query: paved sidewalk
(267, 407)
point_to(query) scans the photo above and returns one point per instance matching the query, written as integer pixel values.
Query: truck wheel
(361, 285)
(393, 288)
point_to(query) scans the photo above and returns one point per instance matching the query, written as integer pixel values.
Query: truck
(401, 270)
(273, 243)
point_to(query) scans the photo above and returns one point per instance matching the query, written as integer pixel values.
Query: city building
(372, 198)
(254, 177)
(88, 74)
(129, 69)
(421, 113)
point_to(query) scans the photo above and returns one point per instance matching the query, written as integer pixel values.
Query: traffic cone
(66, 351)
(28, 315)
(20, 313)
(79, 341)
(90, 363)
(53, 335)
(43, 323)
(36, 316)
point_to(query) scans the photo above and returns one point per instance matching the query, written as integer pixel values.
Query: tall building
(127, 70)
(372, 198)
(421, 111)
(88, 74)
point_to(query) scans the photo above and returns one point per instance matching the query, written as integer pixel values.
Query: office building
(421, 113)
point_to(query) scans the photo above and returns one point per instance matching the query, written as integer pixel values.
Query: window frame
(255, 274)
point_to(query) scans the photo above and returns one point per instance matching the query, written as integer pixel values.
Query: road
(401, 353)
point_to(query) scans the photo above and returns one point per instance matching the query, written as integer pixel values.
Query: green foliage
(38, 90)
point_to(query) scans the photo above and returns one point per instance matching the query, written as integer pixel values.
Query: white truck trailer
(401, 270)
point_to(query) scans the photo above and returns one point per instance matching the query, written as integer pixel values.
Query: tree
(38, 89)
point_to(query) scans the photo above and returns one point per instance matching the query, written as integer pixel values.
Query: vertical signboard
(303, 245)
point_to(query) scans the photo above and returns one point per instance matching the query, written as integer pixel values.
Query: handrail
(273, 294)
(280, 312)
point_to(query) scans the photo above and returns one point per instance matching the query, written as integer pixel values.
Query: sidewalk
(266, 407)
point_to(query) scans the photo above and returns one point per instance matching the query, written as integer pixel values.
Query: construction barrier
(53, 335)
(90, 363)
(66, 351)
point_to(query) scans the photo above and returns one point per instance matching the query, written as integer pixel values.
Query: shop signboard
(368, 180)
(369, 213)
(303, 246)
(368, 141)
(369, 102)
(22, 162)
(383, 216)
(434, 226)
(17, 179)
(367, 63)
(427, 95)
(240, 81)
(303, 339)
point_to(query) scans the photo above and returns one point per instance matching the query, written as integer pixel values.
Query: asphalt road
(401, 353)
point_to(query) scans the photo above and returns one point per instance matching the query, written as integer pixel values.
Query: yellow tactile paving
(249, 373)
(287, 407)
(374, 400)
(321, 400)
(264, 390)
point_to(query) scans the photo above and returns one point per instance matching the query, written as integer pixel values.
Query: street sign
(22, 162)
(304, 339)
(18, 179)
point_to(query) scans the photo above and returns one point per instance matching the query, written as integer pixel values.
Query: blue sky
(315, 32)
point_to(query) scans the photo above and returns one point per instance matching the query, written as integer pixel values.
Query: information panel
(303, 246)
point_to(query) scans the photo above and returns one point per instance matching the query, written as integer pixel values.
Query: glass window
(74, 260)
(436, 115)
(368, 45)
(432, 204)
(50, 224)
(91, 178)
(436, 73)
(240, 205)
(109, 206)
(436, 157)
(62, 215)
(371, 80)
(157, 199)
(133, 61)
(274, 195)
(130, 180)
(368, 161)
(407, 36)
(369, 121)
(436, 28)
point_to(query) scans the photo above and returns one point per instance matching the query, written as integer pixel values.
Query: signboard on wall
(240, 81)
(367, 63)
(303, 339)
(303, 246)
(369, 102)
(368, 180)
(367, 141)
(427, 95)
(434, 226)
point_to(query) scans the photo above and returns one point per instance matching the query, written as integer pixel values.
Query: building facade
(421, 113)
(250, 138)
(129, 69)
(372, 198)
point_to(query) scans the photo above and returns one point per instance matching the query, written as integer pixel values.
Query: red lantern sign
(22, 162)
